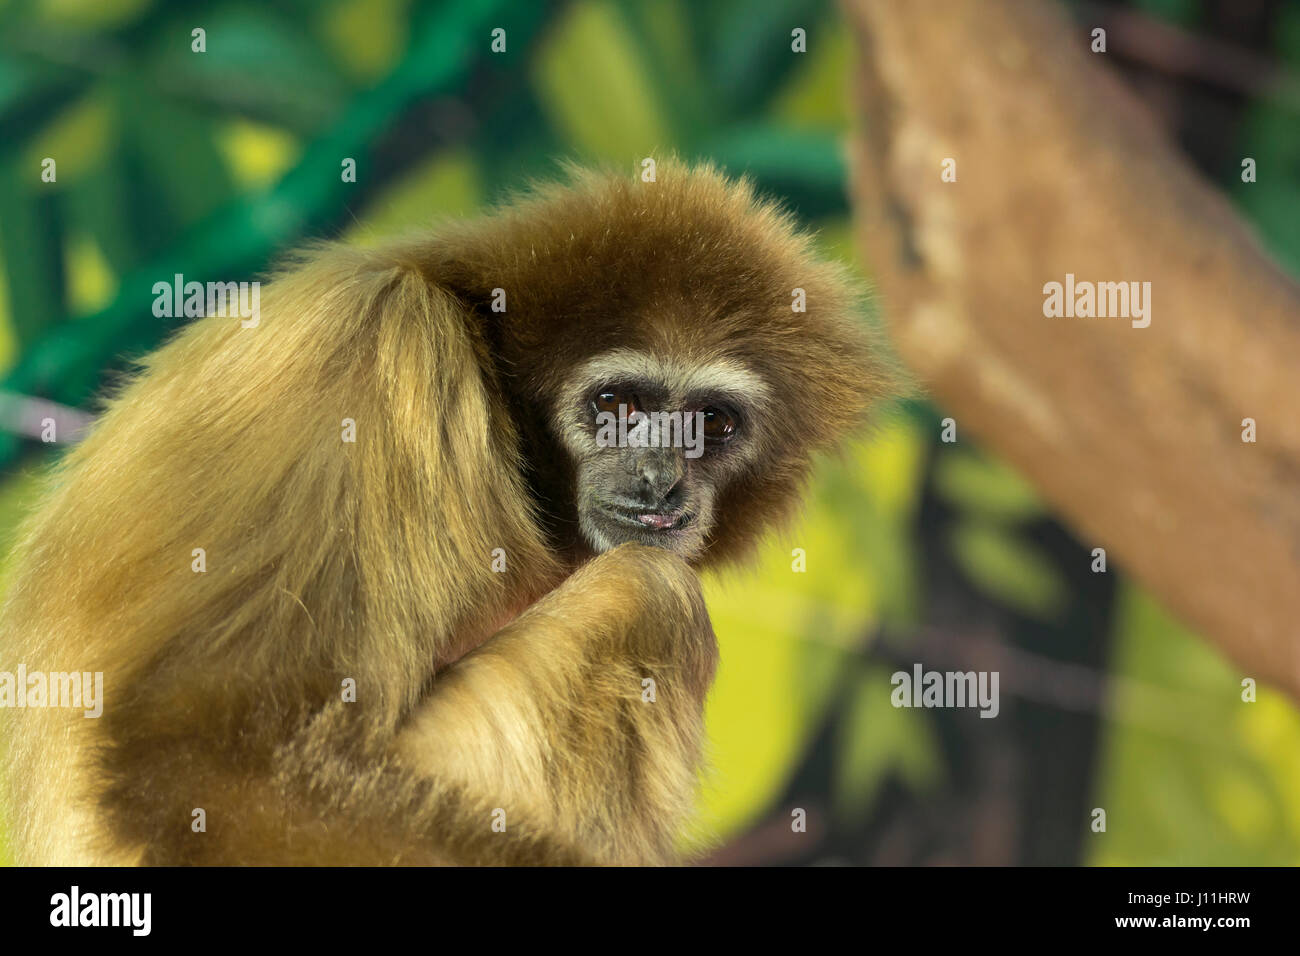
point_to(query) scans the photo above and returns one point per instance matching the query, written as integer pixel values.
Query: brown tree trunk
(1133, 434)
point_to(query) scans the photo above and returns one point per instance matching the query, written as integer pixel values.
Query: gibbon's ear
(347, 467)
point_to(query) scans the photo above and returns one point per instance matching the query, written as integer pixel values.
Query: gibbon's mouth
(651, 520)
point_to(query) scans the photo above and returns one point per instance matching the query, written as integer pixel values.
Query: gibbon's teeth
(660, 522)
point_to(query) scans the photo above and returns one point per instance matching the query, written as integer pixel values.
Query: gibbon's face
(655, 443)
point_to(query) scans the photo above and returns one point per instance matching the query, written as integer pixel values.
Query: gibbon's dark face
(655, 443)
(684, 296)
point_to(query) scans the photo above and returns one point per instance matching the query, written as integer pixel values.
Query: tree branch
(1134, 434)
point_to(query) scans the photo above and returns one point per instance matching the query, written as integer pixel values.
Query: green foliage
(594, 82)
(985, 487)
(878, 741)
(1191, 774)
(1008, 569)
(1184, 12)
(786, 636)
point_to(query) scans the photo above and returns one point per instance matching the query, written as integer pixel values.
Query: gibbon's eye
(719, 423)
(609, 399)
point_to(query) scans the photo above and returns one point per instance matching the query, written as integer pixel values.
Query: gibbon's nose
(660, 487)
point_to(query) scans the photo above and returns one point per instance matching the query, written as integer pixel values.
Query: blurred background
(215, 164)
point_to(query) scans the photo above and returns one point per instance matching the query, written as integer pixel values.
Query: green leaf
(985, 486)
(878, 740)
(594, 81)
(1008, 569)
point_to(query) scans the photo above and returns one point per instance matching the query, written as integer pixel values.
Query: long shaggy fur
(372, 560)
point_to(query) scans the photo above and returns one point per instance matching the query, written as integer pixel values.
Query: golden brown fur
(373, 560)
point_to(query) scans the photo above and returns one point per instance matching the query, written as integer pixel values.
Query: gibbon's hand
(673, 632)
(600, 682)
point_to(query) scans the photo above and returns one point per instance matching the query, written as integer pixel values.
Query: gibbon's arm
(548, 728)
(583, 716)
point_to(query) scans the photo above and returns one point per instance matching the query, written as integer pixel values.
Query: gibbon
(363, 583)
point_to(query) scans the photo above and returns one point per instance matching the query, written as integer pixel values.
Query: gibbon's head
(679, 344)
